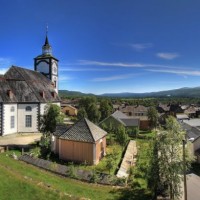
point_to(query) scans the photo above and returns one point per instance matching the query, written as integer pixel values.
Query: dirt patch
(20, 139)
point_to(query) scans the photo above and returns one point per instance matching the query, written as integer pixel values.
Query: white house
(24, 93)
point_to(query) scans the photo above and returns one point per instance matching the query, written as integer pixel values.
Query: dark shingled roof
(191, 132)
(130, 121)
(118, 115)
(61, 129)
(26, 86)
(84, 131)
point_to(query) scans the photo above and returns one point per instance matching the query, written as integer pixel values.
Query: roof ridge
(87, 120)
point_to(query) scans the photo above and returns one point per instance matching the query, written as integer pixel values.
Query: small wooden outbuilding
(82, 142)
(69, 110)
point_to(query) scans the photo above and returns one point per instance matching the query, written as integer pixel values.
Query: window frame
(28, 108)
(12, 121)
(12, 109)
(28, 121)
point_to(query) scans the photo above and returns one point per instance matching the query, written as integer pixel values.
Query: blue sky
(107, 45)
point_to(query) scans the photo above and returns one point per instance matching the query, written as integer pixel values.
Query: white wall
(196, 144)
(22, 118)
(54, 78)
(7, 119)
(42, 107)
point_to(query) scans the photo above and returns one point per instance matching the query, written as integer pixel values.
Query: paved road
(19, 139)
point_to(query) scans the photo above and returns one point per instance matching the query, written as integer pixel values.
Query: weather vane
(46, 28)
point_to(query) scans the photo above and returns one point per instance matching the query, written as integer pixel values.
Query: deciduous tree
(51, 117)
(105, 108)
(153, 116)
(169, 144)
(121, 135)
(82, 113)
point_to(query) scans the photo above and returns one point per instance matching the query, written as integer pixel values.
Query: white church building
(24, 93)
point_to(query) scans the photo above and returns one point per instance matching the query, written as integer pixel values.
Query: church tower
(47, 64)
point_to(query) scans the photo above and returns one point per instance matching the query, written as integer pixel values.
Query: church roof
(24, 85)
(84, 131)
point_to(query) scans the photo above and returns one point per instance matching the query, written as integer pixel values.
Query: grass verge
(23, 181)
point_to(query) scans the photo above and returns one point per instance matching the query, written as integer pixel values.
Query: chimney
(10, 94)
(42, 94)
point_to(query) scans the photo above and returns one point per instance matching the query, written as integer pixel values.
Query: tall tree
(86, 102)
(93, 113)
(170, 157)
(152, 174)
(51, 117)
(153, 116)
(121, 135)
(82, 113)
(106, 108)
(89, 104)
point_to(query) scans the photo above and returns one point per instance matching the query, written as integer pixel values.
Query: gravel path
(128, 160)
(20, 139)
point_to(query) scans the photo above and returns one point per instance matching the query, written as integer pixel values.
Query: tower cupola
(47, 64)
(46, 48)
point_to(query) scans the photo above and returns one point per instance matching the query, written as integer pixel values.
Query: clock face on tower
(54, 67)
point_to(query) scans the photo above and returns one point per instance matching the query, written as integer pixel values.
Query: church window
(12, 121)
(55, 84)
(12, 109)
(28, 121)
(28, 108)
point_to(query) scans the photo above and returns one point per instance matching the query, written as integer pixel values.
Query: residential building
(118, 118)
(69, 110)
(192, 128)
(137, 110)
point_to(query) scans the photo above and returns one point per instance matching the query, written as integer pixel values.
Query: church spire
(46, 49)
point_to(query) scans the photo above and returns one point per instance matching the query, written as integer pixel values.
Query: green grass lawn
(139, 188)
(101, 166)
(23, 181)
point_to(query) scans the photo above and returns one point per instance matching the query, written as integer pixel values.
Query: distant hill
(68, 93)
(182, 92)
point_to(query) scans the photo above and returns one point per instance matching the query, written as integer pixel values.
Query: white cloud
(178, 72)
(126, 65)
(141, 46)
(82, 69)
(5, 62)
(64, 78)
(113, 78)
(3, 70)
(167, 56)
(113, 64)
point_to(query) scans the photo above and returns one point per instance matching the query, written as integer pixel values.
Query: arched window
(28, 108)
(12, 109)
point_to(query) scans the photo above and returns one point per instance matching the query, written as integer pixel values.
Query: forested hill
(68, 93)
(182, 92)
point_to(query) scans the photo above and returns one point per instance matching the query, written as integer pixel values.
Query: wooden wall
(99, 151)
(76, 151)
(144, 124)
